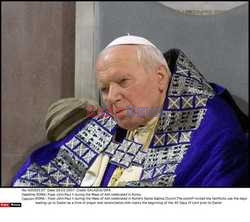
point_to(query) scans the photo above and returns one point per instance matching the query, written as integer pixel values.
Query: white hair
(150, 57)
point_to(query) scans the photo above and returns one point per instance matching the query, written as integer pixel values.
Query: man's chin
(126, 124)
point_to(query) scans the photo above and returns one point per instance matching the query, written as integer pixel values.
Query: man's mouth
(118, 109)
(120, 112)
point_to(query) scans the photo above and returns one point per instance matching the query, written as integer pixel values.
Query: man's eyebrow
(114, 78)
(119, 76)
(100, 84)
(100, 79)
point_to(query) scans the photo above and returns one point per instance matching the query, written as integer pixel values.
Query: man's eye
(123, 82)
(104, 89)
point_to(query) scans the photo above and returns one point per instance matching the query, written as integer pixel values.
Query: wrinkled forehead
(120, 54)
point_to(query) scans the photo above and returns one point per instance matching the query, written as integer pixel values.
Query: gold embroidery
(142, 135)
(116, 175)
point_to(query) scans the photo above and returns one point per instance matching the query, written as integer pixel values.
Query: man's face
(126, 88)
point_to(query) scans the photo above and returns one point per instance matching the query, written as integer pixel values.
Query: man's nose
(114, 95)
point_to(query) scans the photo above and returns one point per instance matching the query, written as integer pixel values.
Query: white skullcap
(130, 39)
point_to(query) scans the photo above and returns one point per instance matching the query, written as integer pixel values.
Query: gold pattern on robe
(141, 135)
(95, 173)
(116, 175)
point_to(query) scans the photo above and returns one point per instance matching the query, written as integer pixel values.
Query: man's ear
(162, 77)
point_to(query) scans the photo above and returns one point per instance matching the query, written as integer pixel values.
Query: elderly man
(161, 127)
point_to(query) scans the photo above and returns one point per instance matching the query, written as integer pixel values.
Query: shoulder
(220, 133)
(217, 155)
(220, 114)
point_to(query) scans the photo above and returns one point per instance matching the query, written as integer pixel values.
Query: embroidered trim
(75, 156)
(184, 109)
(128, 152)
